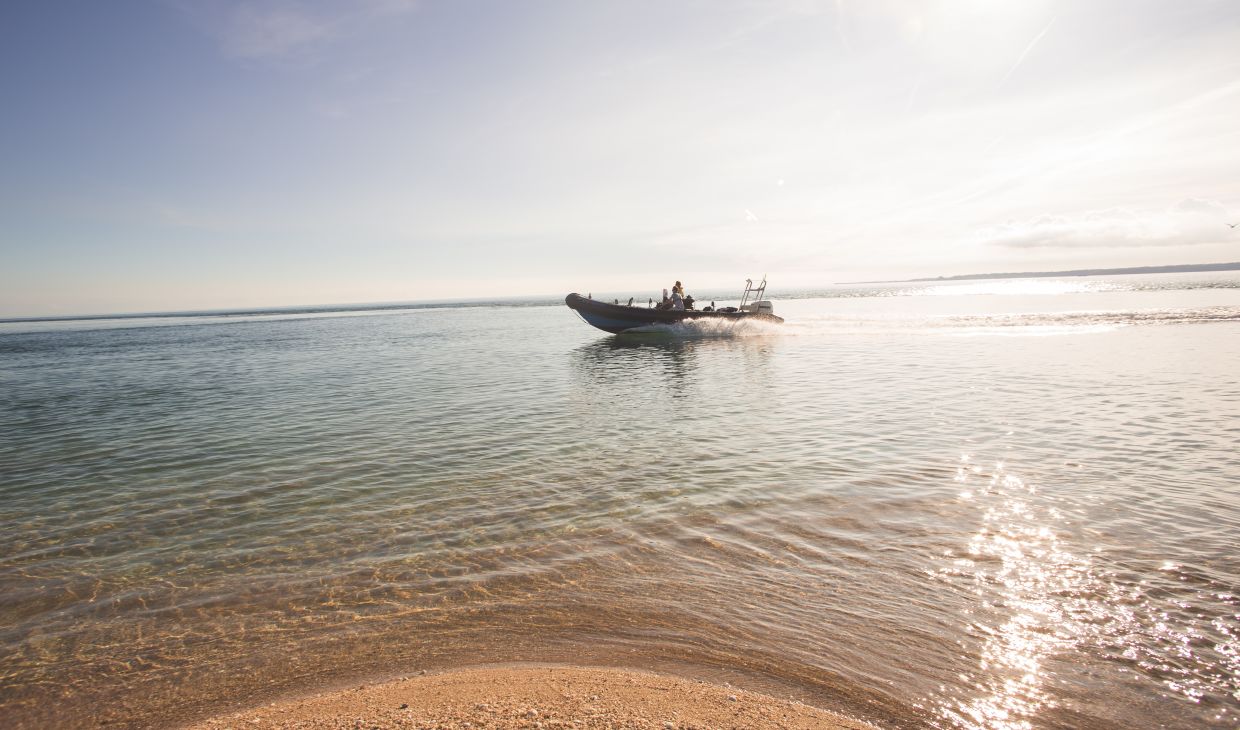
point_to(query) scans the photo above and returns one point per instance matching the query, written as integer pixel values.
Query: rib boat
(616, 317)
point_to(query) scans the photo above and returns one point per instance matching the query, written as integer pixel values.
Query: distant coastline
(1176, 269)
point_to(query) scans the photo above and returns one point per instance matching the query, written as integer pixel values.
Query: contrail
(839, 26)
(1028, 48)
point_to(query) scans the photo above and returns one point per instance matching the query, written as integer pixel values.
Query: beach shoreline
(534, 696)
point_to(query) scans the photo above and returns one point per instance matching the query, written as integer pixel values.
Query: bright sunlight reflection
(1021, 573)
(1012, 287)
(1036, 598)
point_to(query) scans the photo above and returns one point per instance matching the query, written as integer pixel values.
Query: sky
(177, 155)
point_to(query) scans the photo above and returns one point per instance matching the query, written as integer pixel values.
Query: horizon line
(310, 308)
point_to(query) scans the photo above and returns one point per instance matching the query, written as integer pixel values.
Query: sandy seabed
(537, 697)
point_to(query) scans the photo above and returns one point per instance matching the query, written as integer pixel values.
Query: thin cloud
(1190, 222)
(274, 29)
(264, 32)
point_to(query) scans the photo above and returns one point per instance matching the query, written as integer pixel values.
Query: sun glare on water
(1011, 287)
(1021, 574)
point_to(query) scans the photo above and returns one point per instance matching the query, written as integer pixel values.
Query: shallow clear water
(980, 504)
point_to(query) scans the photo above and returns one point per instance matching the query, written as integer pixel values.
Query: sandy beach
(536, 697)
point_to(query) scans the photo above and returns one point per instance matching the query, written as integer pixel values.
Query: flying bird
(1233, 225)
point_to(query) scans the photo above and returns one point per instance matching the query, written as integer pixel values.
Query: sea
(970, 504)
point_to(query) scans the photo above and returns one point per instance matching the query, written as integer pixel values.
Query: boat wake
(1007, 324)
(705, 329)
(1115, 318)
(963, 325)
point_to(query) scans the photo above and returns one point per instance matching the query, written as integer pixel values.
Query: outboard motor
(763, 306)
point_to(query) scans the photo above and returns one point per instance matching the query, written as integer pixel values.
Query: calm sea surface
(989, 504)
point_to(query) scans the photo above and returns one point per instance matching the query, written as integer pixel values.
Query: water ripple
(200, 512)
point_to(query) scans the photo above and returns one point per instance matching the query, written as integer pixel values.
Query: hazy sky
(182, 155)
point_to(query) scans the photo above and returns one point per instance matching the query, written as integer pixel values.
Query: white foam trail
(1001, 324)
(707, 328)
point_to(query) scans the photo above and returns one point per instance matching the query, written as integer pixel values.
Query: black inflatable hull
(617, 318)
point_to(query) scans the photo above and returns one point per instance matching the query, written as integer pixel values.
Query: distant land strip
(1176, 269)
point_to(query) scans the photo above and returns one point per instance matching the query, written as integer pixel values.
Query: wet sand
(537, 697)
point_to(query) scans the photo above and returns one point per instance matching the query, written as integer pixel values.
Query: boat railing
(752, 294)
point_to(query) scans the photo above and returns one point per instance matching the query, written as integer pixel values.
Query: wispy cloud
(274, 29)
(262, 32)
(1190, 222)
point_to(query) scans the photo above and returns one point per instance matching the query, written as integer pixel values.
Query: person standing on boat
(680, 302)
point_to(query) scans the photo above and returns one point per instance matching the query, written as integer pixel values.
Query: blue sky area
(187, 155)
